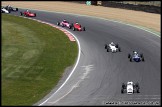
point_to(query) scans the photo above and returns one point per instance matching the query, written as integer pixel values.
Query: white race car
(65, 23)
(3, 10)
(112, 47)
(130, 88)
(10, 8)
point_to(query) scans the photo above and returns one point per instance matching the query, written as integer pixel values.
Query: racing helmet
(27, 10)
(135, 52)
(76, 23)
(64, 20)
(112, 43)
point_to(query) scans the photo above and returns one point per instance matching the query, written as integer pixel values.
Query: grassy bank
(34, 57)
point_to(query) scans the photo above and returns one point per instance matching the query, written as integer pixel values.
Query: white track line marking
(87, 69)
(63, 95)
(69, 75)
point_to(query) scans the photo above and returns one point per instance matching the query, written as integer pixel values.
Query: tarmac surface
(99, 75)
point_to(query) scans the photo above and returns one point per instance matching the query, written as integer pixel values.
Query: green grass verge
(34, 57)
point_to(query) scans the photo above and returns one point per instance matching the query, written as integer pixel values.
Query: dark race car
(136, 57)
(27, 13)
(78, 27)
(65, 23)
(10, 8)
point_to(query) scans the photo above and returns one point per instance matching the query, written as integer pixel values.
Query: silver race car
(112, 47)
(65, 23)
(3, 10)
(10, 8)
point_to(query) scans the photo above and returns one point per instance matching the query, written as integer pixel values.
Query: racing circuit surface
(99, 75)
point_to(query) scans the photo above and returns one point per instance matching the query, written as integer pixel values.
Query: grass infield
(34, 57)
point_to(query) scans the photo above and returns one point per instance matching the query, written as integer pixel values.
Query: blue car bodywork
(136, 57)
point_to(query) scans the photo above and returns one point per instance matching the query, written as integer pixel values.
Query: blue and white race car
(136, 57)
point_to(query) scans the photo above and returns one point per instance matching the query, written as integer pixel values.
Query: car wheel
(16, 9)
(73, 29)
(21, 13)
(123, 86)
(122, 91)
(58, 23)
(129, 55)
(137, 85)
(141, 55)
(130, 59)
(119, 49)
(83, 28)
(105, 46)
(107, 49)
(117, 46)
(143, 59)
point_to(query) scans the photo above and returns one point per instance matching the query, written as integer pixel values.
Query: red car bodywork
(29, 14)
(78, 27)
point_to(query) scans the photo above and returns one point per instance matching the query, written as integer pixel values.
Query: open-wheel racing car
(65, 23)
(28, 13)
(112, 47)
(78, 27)
(3, 10)
(136, 57)
(10, 8)
(130, 87)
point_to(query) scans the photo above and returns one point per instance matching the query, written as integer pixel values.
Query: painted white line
(69, 75)
(63, 95)
(87, 70)
(136, 26)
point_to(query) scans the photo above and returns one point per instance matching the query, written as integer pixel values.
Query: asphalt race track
(99, 75)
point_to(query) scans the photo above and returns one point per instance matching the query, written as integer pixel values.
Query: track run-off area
(32, 55)
(98, 76)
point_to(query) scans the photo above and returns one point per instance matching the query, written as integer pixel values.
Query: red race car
(78, 27)
(28, 13)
